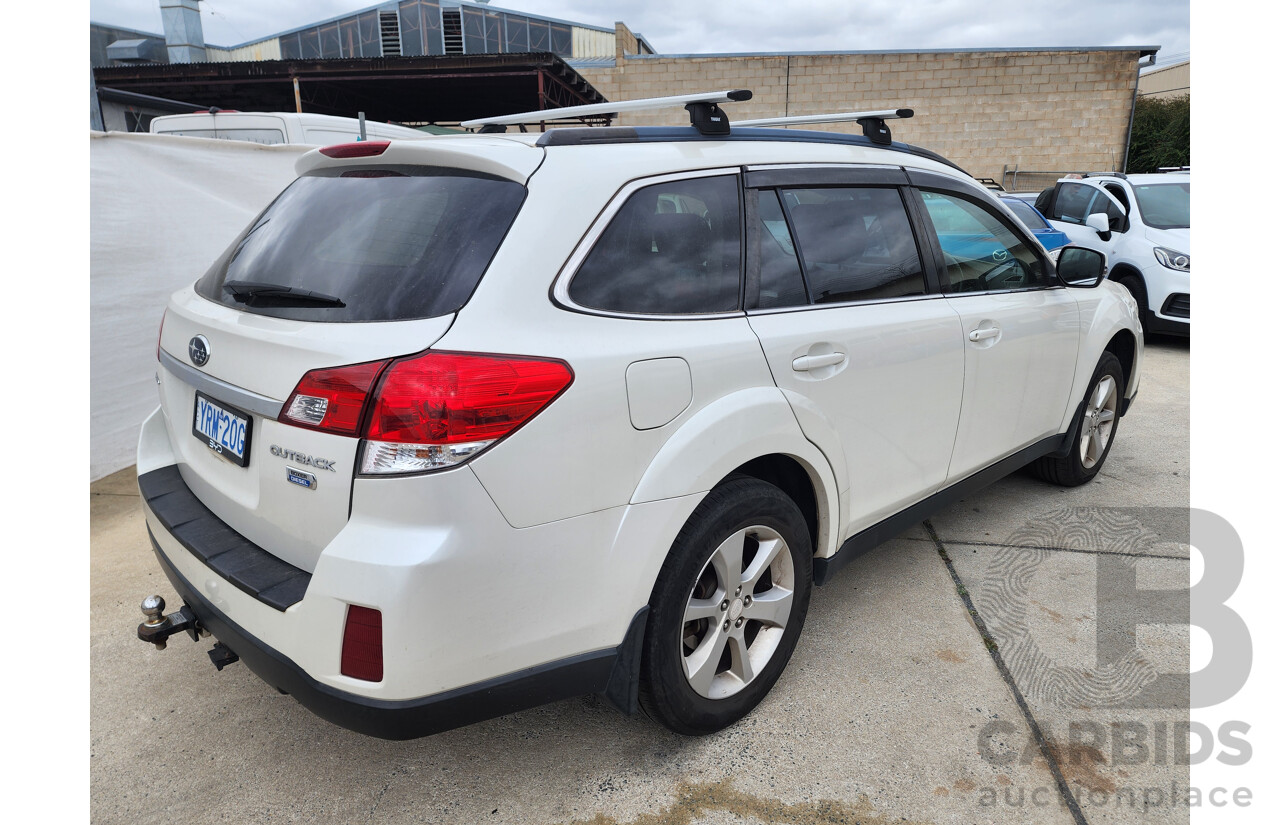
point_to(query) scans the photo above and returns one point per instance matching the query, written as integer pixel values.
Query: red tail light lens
(362, 644)
(362, 149)
(332, 400)
(429, 411)
(439, 409)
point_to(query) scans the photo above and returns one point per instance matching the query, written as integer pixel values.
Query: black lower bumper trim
(877, 534)
(409, 719)
(268, 579)
(1163, 326)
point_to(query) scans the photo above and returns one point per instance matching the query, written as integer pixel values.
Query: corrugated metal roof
(592, 62)
(1143, 50)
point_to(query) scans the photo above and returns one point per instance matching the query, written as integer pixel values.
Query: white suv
(1142, 223)
(462, 426)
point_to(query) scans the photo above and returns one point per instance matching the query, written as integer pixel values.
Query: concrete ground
(953, 675)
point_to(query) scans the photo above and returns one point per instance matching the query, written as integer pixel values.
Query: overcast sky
(683, 27)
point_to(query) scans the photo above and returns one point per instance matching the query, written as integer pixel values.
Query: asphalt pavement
(991, 665)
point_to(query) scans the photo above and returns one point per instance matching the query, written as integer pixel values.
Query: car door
(854, 330)
(1020, 325)
(1074, 202)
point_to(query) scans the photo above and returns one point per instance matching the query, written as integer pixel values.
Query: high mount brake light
(427, 411)
(361, 149)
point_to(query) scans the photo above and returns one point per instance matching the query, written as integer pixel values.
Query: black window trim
(832, 176)
(930, 182)
(559, 290)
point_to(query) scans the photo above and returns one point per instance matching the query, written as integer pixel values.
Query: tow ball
(158, 628)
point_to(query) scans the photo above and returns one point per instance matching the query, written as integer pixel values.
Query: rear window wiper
(256, 294)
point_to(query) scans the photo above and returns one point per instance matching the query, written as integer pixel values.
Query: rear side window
(781, 281)
(367, 245)
(855, 244)
(673, 249)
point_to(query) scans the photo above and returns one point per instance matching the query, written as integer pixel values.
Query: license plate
(223, 429)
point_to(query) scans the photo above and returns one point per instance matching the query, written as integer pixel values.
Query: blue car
(1048, 237)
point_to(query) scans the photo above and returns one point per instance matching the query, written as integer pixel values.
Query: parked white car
(462, 426)
(1143, 225)
(272, 128)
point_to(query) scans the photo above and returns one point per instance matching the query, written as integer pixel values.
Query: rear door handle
(984, 334)
(812, 362)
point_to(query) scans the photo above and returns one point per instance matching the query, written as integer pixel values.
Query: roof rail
(704, 111)
(1174, 169)
(872, 123)
(1120, 175)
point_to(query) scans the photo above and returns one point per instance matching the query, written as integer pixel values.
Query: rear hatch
(352, 264)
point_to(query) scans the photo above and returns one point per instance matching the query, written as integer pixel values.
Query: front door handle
(812, 362)
(984, 334)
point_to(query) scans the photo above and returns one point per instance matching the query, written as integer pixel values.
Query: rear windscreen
(367, 245)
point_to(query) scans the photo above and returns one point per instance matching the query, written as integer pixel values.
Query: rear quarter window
(673, 248)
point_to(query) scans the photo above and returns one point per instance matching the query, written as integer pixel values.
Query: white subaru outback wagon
(459, 427)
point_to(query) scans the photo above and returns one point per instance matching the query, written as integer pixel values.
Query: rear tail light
(441, 408)
(362, 644)
(429, 411)
(332, 400)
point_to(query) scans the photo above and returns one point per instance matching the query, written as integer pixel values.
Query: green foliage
(1161, 134)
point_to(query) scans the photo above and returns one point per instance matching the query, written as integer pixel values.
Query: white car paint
(545, 546)
(1130, 252)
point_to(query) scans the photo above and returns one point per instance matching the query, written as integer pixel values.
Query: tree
(1161, 133)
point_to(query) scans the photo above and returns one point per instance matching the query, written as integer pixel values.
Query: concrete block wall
(1039, 110)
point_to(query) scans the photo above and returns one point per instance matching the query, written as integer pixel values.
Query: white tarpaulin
(161, 210)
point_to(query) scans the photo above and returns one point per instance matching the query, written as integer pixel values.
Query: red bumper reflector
(362, 644)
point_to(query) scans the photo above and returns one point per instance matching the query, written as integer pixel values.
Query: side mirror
(1099, 223)
(1081, 267)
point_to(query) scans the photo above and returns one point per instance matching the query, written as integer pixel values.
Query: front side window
(673, 248)
(981, 253)
(1115, 215)
(855, 244)
(1072, 205)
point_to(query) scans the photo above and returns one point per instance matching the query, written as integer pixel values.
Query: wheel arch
(753, 432)
(1124, 270)
(1124, 346)
(792, 478)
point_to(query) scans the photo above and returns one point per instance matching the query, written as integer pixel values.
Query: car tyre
(727, 607)
(1096, 431)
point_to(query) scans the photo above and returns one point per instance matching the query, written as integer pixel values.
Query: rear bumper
(550, 682)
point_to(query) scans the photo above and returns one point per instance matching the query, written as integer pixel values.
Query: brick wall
(1040, 110)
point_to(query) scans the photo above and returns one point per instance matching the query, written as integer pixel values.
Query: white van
(279, 127)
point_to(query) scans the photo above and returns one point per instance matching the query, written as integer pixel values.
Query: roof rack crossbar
(704, 111)
(872, 123)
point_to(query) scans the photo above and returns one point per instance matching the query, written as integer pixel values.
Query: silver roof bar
(704, 111)
(872, 123)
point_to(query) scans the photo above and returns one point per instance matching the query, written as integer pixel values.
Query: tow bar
(158, 628)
